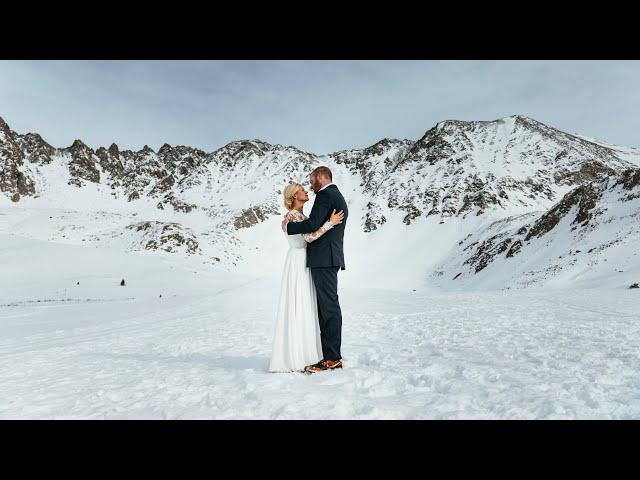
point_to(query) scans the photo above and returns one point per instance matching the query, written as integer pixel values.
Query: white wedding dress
(297, 332)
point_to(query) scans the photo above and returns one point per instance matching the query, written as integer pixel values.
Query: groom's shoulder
(328, 190)
(334, 190)
(331, 192)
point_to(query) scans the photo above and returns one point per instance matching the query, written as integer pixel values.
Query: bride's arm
(320, 211)
(312, 237)
(295, 216)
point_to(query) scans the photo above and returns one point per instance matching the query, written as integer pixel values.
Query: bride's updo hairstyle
(290, 194)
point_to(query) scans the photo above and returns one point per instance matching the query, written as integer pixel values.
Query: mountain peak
(255, 145)
(387, 141)
(459, 123)
(248, 141)
(384, 145)
(525, 119)
(79, 145)
(165, 148)
(515, 117)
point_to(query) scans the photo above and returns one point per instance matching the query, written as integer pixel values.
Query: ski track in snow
(408, 355)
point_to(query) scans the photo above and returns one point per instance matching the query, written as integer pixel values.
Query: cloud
(319, 106)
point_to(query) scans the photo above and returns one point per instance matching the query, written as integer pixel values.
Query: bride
(297, 333)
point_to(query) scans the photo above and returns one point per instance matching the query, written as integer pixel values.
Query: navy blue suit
(325, 257)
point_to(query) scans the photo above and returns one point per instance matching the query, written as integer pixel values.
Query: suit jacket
(326, 251)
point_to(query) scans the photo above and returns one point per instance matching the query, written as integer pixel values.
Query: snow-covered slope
(411, 202)
(511, 165)
(589, 238)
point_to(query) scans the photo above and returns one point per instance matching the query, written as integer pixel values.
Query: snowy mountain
(514, 164)
(593, 232)
(462, 182)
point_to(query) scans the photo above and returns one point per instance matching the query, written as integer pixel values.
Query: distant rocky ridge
(587, 221)
(511, 168)
(455, 168)
(461, 167)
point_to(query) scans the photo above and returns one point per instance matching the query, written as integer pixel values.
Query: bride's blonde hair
(290, 194)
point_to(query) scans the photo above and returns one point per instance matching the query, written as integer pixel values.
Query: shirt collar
(325, 186)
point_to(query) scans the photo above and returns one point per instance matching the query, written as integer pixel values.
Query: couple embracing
(309, 321)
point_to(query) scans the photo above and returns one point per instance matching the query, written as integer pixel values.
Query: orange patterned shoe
(323, 365)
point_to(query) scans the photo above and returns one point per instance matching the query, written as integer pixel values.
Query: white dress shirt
(325, 186)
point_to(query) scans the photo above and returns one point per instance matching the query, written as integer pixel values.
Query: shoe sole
(323, 370)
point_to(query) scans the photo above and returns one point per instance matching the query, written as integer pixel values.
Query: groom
(325, 257)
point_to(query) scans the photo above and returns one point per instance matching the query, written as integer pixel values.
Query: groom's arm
(319, 213)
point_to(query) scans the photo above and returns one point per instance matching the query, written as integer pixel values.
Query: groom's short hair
(324, 171)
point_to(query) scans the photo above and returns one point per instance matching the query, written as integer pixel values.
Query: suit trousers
(325, 280)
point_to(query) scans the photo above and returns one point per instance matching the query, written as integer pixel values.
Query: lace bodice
(301, 240)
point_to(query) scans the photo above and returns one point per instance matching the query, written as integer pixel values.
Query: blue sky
(318, 106)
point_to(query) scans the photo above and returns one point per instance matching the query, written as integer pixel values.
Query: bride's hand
(336, 218)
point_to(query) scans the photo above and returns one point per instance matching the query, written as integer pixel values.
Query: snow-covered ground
(201, 350)
(427, 334)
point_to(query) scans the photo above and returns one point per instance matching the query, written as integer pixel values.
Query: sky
(317, 106)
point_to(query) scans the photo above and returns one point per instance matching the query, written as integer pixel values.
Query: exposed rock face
(630, 179)
(487, 250)
(374, 162)
(515, 247)
(254, 215)
(163, 186)
(584, 196)
(169, 237)
(111, 161)
(16, 152)
(82, 165)
(479, 172)
(587, 172)
(147, 173)
(458, 168)
(606, 209)
(373, 217)
(178, 205)
(15, 182)
(36, 150)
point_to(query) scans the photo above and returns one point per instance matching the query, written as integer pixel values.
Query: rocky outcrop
(487, 251)
(461, 168)
(584, 197)
(588, 172)
(177, 204)
(16, 153)
(168, 237)
(254, 215)
(456, 169)
(111, 161)
(15, 182)
(373, 218)
(35, 149)
(83, 164)
(588, 208)
(629, 179)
